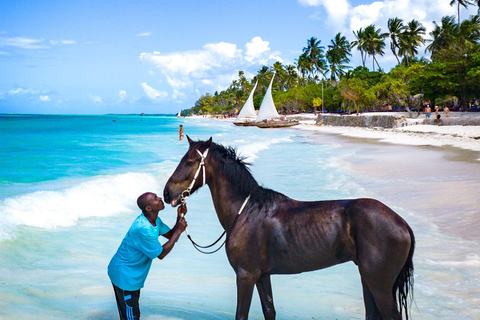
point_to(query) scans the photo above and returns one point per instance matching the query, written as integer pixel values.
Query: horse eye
(189, 163)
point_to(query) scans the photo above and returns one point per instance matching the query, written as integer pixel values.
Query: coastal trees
(314, 57)
(374, 41)
(442, 35)
(410, 39)
(453, 74)
(360, 44)
(338, 56)
(463, 3)
(454, 47)
(395, 28)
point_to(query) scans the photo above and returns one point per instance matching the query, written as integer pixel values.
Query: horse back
(295, 236)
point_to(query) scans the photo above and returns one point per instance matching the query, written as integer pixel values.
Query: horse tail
(403, 287)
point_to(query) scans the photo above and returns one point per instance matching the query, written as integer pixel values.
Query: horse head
(189, 174)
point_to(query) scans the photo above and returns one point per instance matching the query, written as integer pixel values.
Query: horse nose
(166, 195)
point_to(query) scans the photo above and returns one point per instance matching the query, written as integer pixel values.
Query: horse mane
(237, 171)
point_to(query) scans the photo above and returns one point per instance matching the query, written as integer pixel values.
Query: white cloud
(22, 91)
(94, 98)
(255, 49)
(44, 98)
(346, 16)
(364, 15)
(213, 67)
(179, 96)
(152, 93)
(122, 95)
(24, 43)
(349, 15)
(313, 3)
(337, 10)
(176, 82)
(144, 34)
(66, 42)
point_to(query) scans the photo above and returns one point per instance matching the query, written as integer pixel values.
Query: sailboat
(179, 114)
(268, 116)
(247, 114)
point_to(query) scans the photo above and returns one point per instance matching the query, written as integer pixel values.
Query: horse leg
(371, 310)
(379, 287)
(245, 284)
(264, 287)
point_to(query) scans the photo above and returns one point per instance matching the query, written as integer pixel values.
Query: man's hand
(182, 210)
(182, 224)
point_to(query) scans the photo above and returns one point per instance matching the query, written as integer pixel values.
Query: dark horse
(278, 235)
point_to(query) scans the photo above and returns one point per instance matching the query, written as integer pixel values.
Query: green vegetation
(322, 79)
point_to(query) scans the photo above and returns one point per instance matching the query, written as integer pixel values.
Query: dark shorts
(127, 303)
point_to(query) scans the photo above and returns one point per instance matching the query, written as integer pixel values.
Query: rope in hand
(199, 247)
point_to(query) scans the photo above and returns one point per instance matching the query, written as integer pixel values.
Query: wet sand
(440, 183)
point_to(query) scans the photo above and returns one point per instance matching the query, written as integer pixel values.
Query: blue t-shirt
(129, 267)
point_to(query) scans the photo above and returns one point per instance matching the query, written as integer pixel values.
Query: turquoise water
(68, 186)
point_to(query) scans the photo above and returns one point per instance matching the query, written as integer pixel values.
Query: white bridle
(186, 192)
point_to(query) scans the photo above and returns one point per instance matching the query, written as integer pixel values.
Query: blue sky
(160, 56)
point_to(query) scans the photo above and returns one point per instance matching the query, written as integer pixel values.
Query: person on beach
(130, 265)
(446, 111)
(428, 111)
(180, 133)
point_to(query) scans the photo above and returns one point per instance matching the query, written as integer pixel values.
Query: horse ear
(209, 142)
(190, 141)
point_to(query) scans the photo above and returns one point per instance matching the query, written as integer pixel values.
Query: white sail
(267, 108)
(248, 110)
(179, 114)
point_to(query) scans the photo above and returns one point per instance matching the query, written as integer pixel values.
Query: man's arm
(181, 212)
(180, 226)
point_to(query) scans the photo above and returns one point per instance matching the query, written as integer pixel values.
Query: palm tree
(360, 44)
(411, 39)
(374, 42)
(463, 3)
(281, 74)
(442, 35)
(337, 56)
(469, 31)
(315, 55)
(292, 76)
(303, 65)
(396, 28)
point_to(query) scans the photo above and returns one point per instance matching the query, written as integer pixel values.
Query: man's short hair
(142, 201)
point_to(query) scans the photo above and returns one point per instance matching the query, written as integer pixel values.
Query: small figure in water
(180, 133)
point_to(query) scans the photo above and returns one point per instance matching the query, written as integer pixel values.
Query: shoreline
(428, 169)
(439, 184)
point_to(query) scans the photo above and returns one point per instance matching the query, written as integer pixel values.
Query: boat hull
(245, 124)
(276, 124)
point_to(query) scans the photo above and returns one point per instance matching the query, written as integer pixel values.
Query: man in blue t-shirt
(129, 267)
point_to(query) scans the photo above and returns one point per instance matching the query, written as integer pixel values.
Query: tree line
(322, 79)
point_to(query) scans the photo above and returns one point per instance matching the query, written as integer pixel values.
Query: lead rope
(197, 246)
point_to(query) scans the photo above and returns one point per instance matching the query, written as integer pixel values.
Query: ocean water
(68, 186)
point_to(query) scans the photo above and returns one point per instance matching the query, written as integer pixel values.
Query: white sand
(438, 178)
(464, 137)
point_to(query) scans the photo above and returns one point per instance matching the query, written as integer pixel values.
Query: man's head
(149, 202)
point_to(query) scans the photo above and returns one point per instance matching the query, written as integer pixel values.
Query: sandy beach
(433, 170)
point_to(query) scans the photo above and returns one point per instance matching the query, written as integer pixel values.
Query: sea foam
(100, 196)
